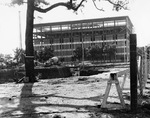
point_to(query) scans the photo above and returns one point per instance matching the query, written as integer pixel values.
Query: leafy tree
(95, 53)
(19, 55)
(108, 52)
(1, 57)
(105, 51)
(78, 53)
(112, 52)
(8, 58)
(33, 5)
(44, 54)
(5, 60)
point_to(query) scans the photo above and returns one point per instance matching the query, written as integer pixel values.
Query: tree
(44, 54)
(19, 55)
(105, 48)
(78, 53)
(95, 53)
(112, 52)
(33, 5)
(8, 57)
(1, 57)
(5, 60)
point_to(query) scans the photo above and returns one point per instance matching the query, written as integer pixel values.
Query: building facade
(65, 37)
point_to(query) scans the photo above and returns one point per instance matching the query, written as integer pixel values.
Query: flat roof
(84, 21)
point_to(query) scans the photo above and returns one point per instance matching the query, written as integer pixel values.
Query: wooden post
(133, 72)
(140, 66)
(145, 68)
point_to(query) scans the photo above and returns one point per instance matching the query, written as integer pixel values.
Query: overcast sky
(9, 21)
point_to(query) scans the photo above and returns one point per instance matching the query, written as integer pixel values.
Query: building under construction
(65, 37)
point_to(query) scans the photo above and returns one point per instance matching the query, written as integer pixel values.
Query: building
(65, 37)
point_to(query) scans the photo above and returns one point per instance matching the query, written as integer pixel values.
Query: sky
(9, 21)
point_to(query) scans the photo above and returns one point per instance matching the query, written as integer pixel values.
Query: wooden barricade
(114, 80)
(143, 69)
(145, 66)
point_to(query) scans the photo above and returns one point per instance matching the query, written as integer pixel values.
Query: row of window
(80, 33)
(118, 44)
(79, 39)
(70, 52)
(86, 25)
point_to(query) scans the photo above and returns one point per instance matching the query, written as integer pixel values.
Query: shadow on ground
(31, 105)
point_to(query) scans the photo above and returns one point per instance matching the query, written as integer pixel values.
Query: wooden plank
(106, 95)
(124, 80)
(120, 73)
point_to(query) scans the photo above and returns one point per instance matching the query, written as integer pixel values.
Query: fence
(143, 72)
(138, 75)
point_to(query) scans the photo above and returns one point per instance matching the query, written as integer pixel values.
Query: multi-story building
(65, 37)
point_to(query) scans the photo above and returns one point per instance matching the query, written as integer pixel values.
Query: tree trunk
(29, 59)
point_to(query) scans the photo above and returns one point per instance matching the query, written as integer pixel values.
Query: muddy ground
(72, 97)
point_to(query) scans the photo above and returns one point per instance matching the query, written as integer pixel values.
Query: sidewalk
(73, 97)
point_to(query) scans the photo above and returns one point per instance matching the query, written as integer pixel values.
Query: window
(55, 28)
(121, 36)
(56, 40)
(66, 40)
(109, 37)
(87, 38)
(45, 28)
(97, 24)
(120, 22)
(46, 41)
(66, 27)
(76, 26)
(37, 29)
(36, 42)
(108, 23)
(98, 38)
(86, 25)
(51, 41)
(76, 39)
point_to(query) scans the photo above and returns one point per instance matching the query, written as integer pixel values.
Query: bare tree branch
(76, 8)
(51, 7)
(69, 5)
(118, 5)
(97, 7)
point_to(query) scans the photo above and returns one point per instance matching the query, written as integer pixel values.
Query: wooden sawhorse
(114, 80)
